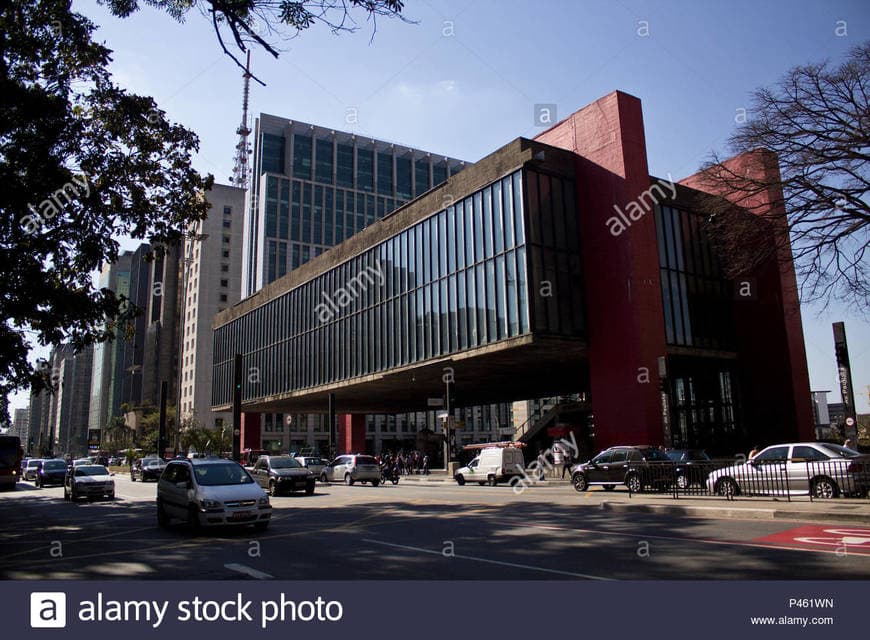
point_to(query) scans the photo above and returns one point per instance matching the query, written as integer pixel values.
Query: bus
(10, 461)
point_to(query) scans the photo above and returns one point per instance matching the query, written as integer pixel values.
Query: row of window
(696, 296)
(452, 281)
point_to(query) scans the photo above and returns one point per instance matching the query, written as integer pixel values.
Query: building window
(223, 297)
(385, 173)
(323, 154)
(225, 283)
(228, 211)
(226, 253)
(273, 153)
(225, 268)
(227, 224)
(365, 169)
(226, 239)
(344, 170)
(302, 157)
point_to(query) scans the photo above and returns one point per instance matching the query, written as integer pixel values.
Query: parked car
(31, 468)
(208, 492)
(283, 474)
(692, 466)
(618, 465)
(50, 473)
(314, 464)
(352, 468)
(80, 461)
(89, 481)
(818, 468)
(249, 456)
(147, 469)
(492, 465)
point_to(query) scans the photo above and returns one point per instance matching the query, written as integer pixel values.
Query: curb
(734, 513)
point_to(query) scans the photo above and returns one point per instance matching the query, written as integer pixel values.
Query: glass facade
(455, 280)
(695, 294)
(333, 187)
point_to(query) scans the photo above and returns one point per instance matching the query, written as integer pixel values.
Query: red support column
(250, 438)
(624, 305)
(351, 433)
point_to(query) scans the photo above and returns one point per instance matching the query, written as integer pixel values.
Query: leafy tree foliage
(82, 162)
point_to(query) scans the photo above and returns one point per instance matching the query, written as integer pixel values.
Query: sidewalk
(839, 510)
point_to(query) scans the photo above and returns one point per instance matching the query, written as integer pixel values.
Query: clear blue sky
(464, 79)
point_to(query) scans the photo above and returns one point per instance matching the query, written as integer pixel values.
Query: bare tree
(256, 22)
(816, 124)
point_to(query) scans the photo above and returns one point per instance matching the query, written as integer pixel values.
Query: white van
(491, 466)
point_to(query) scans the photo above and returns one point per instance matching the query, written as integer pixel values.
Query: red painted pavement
(841, 539)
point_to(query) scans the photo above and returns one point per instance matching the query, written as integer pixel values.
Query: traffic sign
(850, 422)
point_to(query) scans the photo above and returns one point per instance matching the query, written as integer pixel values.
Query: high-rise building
(160, 359)
(21, 424)
(211, 275)
(314, 187)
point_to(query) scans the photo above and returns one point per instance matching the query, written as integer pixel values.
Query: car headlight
(210, 504)
(264, 501)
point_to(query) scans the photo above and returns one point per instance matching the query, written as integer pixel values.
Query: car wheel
(273, 488)
(261, 526)
(162, 518)
(825, 488)
(633, 483)
(375, 483)
(727, 487)
(609, 487)
(682, 482)
(460, 480)
(132, 478)
(348, 480)
(492, 481)
(193, 519)
(579, 482)
(309, 489)
(323, 478)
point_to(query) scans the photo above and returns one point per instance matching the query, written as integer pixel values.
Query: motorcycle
(389, 474)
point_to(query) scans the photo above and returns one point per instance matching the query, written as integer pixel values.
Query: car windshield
(92, 470)
(33, 464)
(838, 451)
(365, 460)
(212, 475)
(152, 462)
(675, 455)
(313, 461)
(54, 465)
(284, 463)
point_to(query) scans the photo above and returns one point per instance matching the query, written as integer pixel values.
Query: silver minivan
(207, 492)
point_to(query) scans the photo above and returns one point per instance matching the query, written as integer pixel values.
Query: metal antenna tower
(243, 148)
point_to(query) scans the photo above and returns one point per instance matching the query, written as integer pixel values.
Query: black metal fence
(732, 478)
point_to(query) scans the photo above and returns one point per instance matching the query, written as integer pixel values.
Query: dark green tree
(82, 162)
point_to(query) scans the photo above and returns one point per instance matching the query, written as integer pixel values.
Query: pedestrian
(558, 457)
(849, 444)
(754, 452)
(568, 464)
(426, 464)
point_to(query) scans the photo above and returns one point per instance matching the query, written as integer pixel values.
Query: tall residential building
(21, 425)
(211, 276)
(162, 326)
(314, 187)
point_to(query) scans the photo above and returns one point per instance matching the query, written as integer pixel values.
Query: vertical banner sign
(666, 401)
(844, 372)
(93, 439)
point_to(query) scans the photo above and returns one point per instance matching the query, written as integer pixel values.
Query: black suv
(282, 474)
(617, 465)
(50, 472)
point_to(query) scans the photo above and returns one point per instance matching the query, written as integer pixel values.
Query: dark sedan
(50, 473)
(282, 474)
(621, 465)
(692, 467)
(147, 469)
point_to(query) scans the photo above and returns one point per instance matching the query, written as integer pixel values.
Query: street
(413, 531)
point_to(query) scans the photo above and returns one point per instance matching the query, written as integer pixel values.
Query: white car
(492, 465)
(800, 468)
(89, 481)
(352, 468)
(208, 492)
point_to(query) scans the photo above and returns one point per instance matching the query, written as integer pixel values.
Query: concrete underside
(515, 369)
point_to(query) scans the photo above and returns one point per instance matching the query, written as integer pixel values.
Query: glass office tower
(313, 187)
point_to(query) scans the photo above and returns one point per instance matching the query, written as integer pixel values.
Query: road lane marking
(248, 571)
(488, 561)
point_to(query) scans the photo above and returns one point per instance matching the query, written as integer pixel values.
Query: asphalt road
(414, 531)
